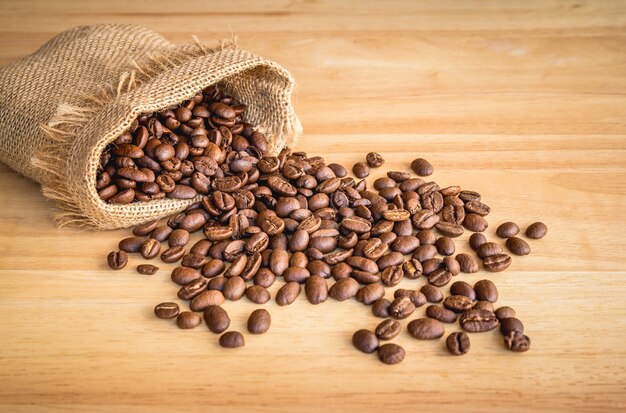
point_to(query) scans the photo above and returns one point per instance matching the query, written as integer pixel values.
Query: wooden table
(523, 102)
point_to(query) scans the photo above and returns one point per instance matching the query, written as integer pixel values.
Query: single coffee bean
(344, 289)
(206, 298)
(117, 260)
(145, 229)
(458, 343)
(458, 303)
(484, 305)
(516, 341)
(257, 294)
(150, 248)
(424, 253)
(449, 229)
(173, 254)
(511, 324)
(486, 291)
(189, 291)
(518, 246)
(477, 207)
(216, 318)
(452, 265)
(426, 329)
(445, 245)
(441, 314)
(259, 321)
(185, 275)
(475, 223)
(488, 249)
(365, 341)
(361, 170)
(496, 263)
(505, 312)
(147, 269)
(187, 320)
(391, 276)
(161, 233)
(536, 230)
(507, 230)
(417, 298)
(469, 196)
(477, 321)
(476, 240)
(370, 293)
(463, 288)
(231, 339)
(316, 289)
(391, 353)
(425, 219)
(288, 293)
(422, 167)
(401, 308)
(131, 244)
(432, 293)
(412, 269)
(264, 277)
(166, 310)
(234, 288)
(439, 277)
(380, 308)
(388, 329)
(179, 237)
(467, 263)
(374, 160)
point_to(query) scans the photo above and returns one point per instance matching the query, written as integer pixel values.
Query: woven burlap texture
(64, 103)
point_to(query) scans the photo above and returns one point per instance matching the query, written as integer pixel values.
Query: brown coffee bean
(486, 291)
(234, 288)
(316, 289)
(396, 215)
(344, 289)
(505, 312)
(127, 150)
(374, 160)
(117, 260)
(458, 303)
(145, 229)
(463, 288)
(432, 293)
(206, 298)
(388, 329)
(441, 314)
(150, 248)
(536, 230)
(422, 167)
(161, 233)
(131, 244)
(166, 310)
(476, 240)
(510, 324)
(231, 339)
(370, 293)
(439, 277)
(147, 269)
(365, 341)
(507, 230)
(496, 263)
(477, 207)
(184, 275)
(517, 342)
(391, 353)
(458, 343)
(257, 294)
(288, 293)
(445, 246)
(477, 321)
(401, 308)
(187, 320)
(380, 308)
(425, 219)
(475, 223)
(192, 289)
(259, 321)
(424, 253)
(392, 276)
(449, 229)
(173, 254)
(518, 246)
(356, 224)
(467, 263)
(361, 170)
(488, 249)
(216, 318)
(484, 305)
(426, 329)
(417, 298)
(218, 233)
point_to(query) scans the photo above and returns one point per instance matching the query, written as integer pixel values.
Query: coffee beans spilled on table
(296, 220)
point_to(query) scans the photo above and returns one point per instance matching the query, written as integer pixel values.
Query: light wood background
(524, 102)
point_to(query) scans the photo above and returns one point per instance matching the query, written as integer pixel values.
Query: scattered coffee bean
(497, 263)
(232, 339)
(467, 263)
(432, 293)
(259, 321)
(257, 294)
(518, 246)
(391, 353)
(422, 167)
(117, 260)
(486, 291)
(374, 160)
(476, 321)
(505, 312)
(166, 310)
(370, 293)
(380, 308)
(288, 293)
(476, 240)
(216, 319)
(187, 320)
(361, 170)
(441, 314)
(458, 303)
(507, 230)
(483, 305)
(344, 289)
(316, 289)
(401, 308)
(365, 341)
(426, 329)
(458, 343)
(463, 288)
(388, 329)
(511, 324)
(516, 341)
(536, 230)
(147, 269)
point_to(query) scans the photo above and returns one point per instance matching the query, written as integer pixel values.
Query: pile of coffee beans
(296, 220)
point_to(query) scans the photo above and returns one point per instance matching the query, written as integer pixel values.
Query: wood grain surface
(524, 102)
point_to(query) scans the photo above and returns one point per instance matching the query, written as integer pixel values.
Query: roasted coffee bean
(375, 248)
(380, 308)
(445, 245)
(401, 308)
(259, 321)
(131, 244)
(344, 289)
(417, 298)
(496, 263)
(391, 353)
(439, 277)
(173, 254)
(486, 291)
(388, 329)
(389, 259)
(145, 229)
(518, 246)
(182, 192)
(516, 341)
(424, 253)
(510, 324)
(193, 260)
(184, 275)
(432, 293)
(467, 263)
(449, 229)
(216, 318)
(426, 329)
(536, 230)
(422, 167)
(476, 240)
(507, 230)
(361, 170)
(257, 294)
(117, 260)
(187, 320)
(441, 314)
(458, 343)
(398, 176)
(213, 268)
(299, 241)
(412, 269)
(147, 269)
(231, 339)
(339, 170)
(365, 341)
(458, 303)
(505, 312)
(288, 293)
(234, 288)
(483, 305)
(206, 298)
(452, 265)
(477, 321)
(161, 233)
(396, 215)
(374, 160)
(391, 276)
(453, 213)
(370, 293)
(463, 288)
(475, 223)
(150, 248)
(425, 219)
(431, 265)
(316, 289)
(477, 207)
(488, 249)
(166, 310)
(356, 224)
(264, 277)
(218, 233)
(192, 289)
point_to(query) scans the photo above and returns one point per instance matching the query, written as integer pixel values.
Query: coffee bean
(374, 160)
(388, 329)
(475, 223)
(173, 254)
(166, 310)
(401, 308)
(187, 320)
(150, 248)
(422, 167)
(231, 339)
(488, 249)
(370, 293)
(288, 293)
(257, 294)
(510, 324)
(365, 341)
(476, 321)
(184, 275)
(412, 269)
(518, 246)
(392, 275)
(507, 230)
(439, 277)
(259, 321)
(380, 308)
(117, 260)
(458, 303)
(425, 219)
(189, 291)
(476, 240)
(161, 233)
(467, 263)
(441, 314)
(496, 263)
(297, 274)
(361, 170)
(316, 289)
(417, 298)
(449, 229)
(458, 343)
(463, 288)
(216, 318)
(147, 269)
(426, 329)
(477, 207)
(356, 224)
(432, 293)
(484, 305)
(445, 246)
(344, 289)
(391, 353)
(205, 299)
(536, 230)
(234, 288)
(131, 244)
(516, 341)
(505, 312)
(486, 291)
(145, 229)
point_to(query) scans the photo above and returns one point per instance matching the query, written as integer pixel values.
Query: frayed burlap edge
(75, 203)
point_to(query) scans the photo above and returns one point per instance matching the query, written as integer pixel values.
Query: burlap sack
(63, 104)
